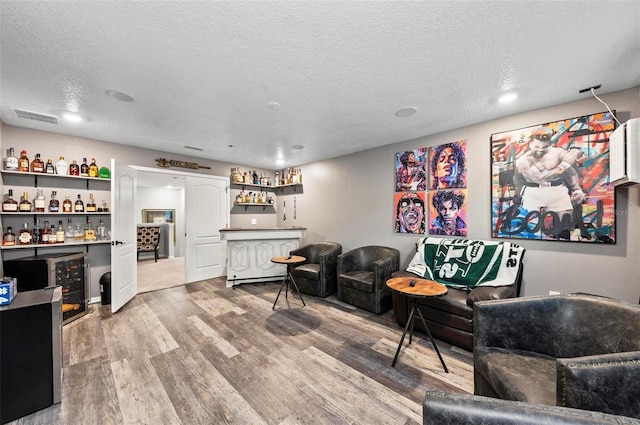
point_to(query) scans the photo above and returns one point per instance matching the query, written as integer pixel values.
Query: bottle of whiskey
(78, 233)
(54, 204)
(25, 204)
(79, 205)
(49, 168)
(89, 232)
(25, 236)
(84, 168)
(11, 163)
(37, 165)
(61, 167)
(10, 204)
(23, 162)
(45, 232)
(39, 203)
(52, 235)
(9, 238)
(37, 232)
(67, 205)
(60, 233)
(91, 205)
(93, 168)
(74, 169)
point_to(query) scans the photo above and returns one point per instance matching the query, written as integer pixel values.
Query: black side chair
(318, 275)
(149, 240)
(363, 274)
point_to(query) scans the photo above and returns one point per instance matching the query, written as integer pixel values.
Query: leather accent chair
(440, 408)
(318, 275)
(580, 351)
(363, 274)
(148, 240)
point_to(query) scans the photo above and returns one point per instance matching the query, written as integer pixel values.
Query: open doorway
(160, 201)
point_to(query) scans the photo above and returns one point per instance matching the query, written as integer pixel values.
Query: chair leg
(156, 255)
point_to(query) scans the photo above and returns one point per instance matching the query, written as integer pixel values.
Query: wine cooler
(69, 271)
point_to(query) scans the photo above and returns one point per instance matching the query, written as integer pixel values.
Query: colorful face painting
(448, 165)
(551, 181)
(410, 170)
(448, 209)
(409, 213)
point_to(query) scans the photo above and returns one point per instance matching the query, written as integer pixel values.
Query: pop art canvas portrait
(551, 181)
(410, 170)
(448, 165)
(409, 212)
(447, 212)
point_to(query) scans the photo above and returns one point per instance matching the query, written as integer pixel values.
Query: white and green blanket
(466, 263)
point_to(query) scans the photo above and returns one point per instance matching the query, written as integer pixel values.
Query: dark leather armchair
(318, 275)
(363, 274)
(442, 408)
(580, 351)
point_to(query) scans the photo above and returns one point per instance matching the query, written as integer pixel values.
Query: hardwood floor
(206, 354)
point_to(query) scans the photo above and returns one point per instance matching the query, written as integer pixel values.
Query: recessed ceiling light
(72, 117)
(507, 97)
(406, 111)
(119, 95)
(297, 147)
(273, 105)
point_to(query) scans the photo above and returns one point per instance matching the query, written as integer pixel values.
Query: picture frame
(158, 216)
(551, 181)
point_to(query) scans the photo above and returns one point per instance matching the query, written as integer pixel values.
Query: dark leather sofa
(318, 275)
(440, 408)
(450, 318)
(580, 351)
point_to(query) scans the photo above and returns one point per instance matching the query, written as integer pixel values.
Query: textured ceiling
(202, 73)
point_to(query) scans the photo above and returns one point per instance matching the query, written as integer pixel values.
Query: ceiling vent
(35, 116)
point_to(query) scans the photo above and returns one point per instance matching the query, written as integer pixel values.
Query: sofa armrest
(484, 293)
(441, 408)
(607, 383)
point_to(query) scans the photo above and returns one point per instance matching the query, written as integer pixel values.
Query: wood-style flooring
(205, 354)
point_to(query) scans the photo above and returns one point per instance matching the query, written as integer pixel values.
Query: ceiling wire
(605, 104)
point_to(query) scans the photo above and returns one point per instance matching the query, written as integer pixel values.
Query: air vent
(35, 116)
(193, 148)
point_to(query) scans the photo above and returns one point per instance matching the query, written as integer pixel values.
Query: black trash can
(105, 288)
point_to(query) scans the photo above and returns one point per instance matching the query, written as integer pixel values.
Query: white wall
(350, 200)
(164, 199)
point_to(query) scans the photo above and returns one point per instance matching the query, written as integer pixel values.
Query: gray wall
(350, 200)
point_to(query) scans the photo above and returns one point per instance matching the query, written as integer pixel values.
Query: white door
(124, 284)
(207, 211)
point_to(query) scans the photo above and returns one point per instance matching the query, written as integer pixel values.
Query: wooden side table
(415, 288)
(290, 261)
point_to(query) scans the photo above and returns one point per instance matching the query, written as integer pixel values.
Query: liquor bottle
(45, 232)
(101, 231)
(11, 163)
(78, 234)
(9, 238)
(91, 205)
(10, 204)
(68, 234)
(74, 169)
(60, 233)
(67, 205)
(39, 203)
(37, 165)
(79, 205)
(23, 162)
(54, 204)
(37, 232)
(25, 204)
(52, 235)
(61, 167)
(84, 168)
(89, 232)
(93, 168)
(49, 168)
(25, 236)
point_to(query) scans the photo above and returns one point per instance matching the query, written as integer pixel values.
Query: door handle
(117, 243)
